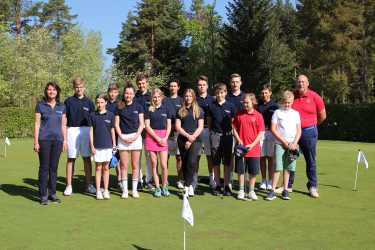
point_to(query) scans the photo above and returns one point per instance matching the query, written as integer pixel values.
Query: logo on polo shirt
(86, 108)
(59, 112)
(178, 105)
(135, 112)
(227, 111)
(164, 115)
(107, 121)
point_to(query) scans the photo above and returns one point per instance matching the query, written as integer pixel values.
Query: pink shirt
(248, 126)
(308, 106)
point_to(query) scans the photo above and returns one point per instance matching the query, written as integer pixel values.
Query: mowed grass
(340, 219)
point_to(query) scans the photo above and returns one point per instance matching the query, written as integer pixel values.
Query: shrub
(16, 122)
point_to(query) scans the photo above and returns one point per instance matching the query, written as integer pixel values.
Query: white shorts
(267, 144)
(206, 144)
(136, 145)
(103, 155)
(172, 145)
(78, 142)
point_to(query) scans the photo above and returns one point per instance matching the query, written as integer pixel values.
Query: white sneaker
(253, 196)
(314, 192)
(135, 194)
(125, 194)
(106, 195)
(263, 186)
(68, 190)
(269, 185)
(91, 189)
(241, 195)
(191, 191)
(180, 185)
(99, 195)
(279, 190)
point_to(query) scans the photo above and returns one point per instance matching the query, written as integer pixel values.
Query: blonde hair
(287, 95)
(252, 98)
(183, 112)
(220, 87)
(155, 91)
(78, 81)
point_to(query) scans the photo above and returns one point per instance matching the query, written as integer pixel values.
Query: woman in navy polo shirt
(158, 127)
(129, 123)
(189, 125)
(49, 140)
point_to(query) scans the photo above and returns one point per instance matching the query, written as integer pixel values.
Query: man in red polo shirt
(312, 112)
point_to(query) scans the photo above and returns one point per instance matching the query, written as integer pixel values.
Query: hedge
(349, 122)
(16, 122)
(344, 122)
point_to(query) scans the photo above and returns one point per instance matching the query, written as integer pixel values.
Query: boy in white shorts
(78, 109)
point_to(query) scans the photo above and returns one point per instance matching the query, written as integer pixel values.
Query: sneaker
(68, 190)
(271, 196)
(165, 191)
(241, 195)
(191, 190)
(314, 192)
(252, 195)
(99, 195)
(285, 195)
(54, 199)
(106, 195)
(157, 192)
(125, 194)
(135, 194)
(227, 191)
(279, 190)
(269, 185)
(90, 189)
(216, 191)
(263, 185)
(149, 186)
(180, 185)
(44, 202)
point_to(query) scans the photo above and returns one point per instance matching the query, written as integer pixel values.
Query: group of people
(231, 128)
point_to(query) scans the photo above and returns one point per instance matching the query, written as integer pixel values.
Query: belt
(309, 128)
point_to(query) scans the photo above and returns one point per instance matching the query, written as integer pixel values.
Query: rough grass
(340, 219)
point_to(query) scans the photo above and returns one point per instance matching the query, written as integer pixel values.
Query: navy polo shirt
(267, 110)
(143, 99)
(102, 125)
(204, 103)
(78, 111)
(50, 124)
(129, 117)
(236, 100)
(221, 116)
(158, 118)
(174, 105)
(188, 123)
(111, 106)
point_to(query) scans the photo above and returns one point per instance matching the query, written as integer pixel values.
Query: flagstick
(184, 236)
(5, 150)
(356, 177)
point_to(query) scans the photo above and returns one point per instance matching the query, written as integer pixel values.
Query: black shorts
(221, 148)
(247, 164)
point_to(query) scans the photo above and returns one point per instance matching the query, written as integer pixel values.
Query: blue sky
(107, 17)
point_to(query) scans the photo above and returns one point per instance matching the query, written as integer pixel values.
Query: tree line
(265, 41)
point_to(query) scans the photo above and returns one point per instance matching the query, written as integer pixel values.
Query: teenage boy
(220, 117)
(204, 100)
(248, 129)
(235, 95)
(112, 94)
(267, 107)
(174, 103)
(78, 109)
(143, 97)
(286, 127)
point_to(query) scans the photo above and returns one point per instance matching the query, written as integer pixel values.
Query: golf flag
(187, 213)
(361, 158)
(7, 141)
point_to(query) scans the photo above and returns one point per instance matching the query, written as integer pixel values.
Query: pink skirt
(152, 145)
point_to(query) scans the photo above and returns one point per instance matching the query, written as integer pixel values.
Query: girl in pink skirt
(158, 127)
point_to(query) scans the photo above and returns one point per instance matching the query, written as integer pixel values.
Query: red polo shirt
(308, 105)
(248, 126)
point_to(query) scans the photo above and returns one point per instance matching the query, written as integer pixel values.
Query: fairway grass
(339, 219)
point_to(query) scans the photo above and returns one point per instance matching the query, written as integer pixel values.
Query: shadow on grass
(19, 190)
(139, 247)
(329, 185)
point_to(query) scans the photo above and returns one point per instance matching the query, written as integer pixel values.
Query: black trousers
(189, 158)
(49, 155)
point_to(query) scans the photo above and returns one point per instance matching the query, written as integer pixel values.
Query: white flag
(7, 141)
(361, 158)
(187, 213)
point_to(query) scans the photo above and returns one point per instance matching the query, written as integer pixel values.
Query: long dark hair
(55, 86)
(121, 104)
